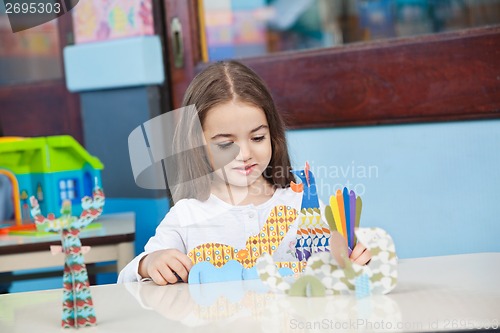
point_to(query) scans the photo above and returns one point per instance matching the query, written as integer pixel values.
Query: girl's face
(239, 144)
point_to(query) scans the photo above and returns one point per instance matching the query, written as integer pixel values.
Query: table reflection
(249, 306)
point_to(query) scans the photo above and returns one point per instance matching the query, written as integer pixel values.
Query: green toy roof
(45, 155)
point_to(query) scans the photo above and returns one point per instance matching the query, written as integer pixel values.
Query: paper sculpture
(312, 233)
(215, 262)
(334, 273)
(343, 215)
(326, 275)
(267, 240)
(323, 272)
(78, 309)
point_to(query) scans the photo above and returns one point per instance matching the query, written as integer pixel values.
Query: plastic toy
(53, 169)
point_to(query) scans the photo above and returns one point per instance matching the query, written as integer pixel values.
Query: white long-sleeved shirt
(191, 222)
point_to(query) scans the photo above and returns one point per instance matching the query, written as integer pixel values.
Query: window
(68, 190)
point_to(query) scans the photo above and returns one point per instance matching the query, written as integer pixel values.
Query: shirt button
(251, 215)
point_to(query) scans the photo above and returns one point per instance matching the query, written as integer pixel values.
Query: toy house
(52, 169)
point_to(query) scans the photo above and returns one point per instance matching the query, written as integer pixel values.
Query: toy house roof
(45, 155)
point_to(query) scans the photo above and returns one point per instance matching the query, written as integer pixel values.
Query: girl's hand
(360, 254)
(165, 266)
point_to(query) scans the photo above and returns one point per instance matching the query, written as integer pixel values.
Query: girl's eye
(259, 138)
(224, 145)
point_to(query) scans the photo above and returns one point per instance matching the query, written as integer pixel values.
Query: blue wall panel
(434, 187)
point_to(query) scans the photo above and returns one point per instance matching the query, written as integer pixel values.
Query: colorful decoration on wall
(100, 20)
(40, 41)
(232, 29)
(78, 309)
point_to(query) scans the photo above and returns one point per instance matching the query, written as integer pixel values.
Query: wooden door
(435, 77)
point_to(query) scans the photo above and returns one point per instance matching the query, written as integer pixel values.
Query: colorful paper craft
(310, 195)
(377, 277)
(78, 309)
(312, 234)
(343, 215)
(205, 272)
(333, 273)
(219, 262)
(267, 240)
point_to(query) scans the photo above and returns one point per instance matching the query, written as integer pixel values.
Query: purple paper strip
(352, 216)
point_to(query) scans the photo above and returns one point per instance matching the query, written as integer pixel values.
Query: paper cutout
(215, 262)
(381, 272)
(343, 215)
(309, 285)
(339, 249)
(310, 195)
(312, 234)
(267, 240)
(362, 286)
(78, 309)
(205, 272)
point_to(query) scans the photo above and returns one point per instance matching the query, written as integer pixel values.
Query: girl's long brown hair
(219, 83)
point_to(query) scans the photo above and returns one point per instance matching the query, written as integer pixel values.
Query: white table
(113, 242)
(433, 294)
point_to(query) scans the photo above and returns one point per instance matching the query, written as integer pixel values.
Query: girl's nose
(245, 152)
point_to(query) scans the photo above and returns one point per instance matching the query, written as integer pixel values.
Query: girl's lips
(246, 170)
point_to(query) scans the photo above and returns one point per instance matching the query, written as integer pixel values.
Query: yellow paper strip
(340, 202)
(336, 214)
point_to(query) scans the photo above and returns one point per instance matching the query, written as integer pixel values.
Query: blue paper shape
(362, 286)
(205, 272)
(309, 195)
(285, 271)
(347, 210)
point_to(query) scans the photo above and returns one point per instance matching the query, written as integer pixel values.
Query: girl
(225, 192)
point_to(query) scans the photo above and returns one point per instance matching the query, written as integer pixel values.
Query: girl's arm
(165, 266)
(169, 236)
